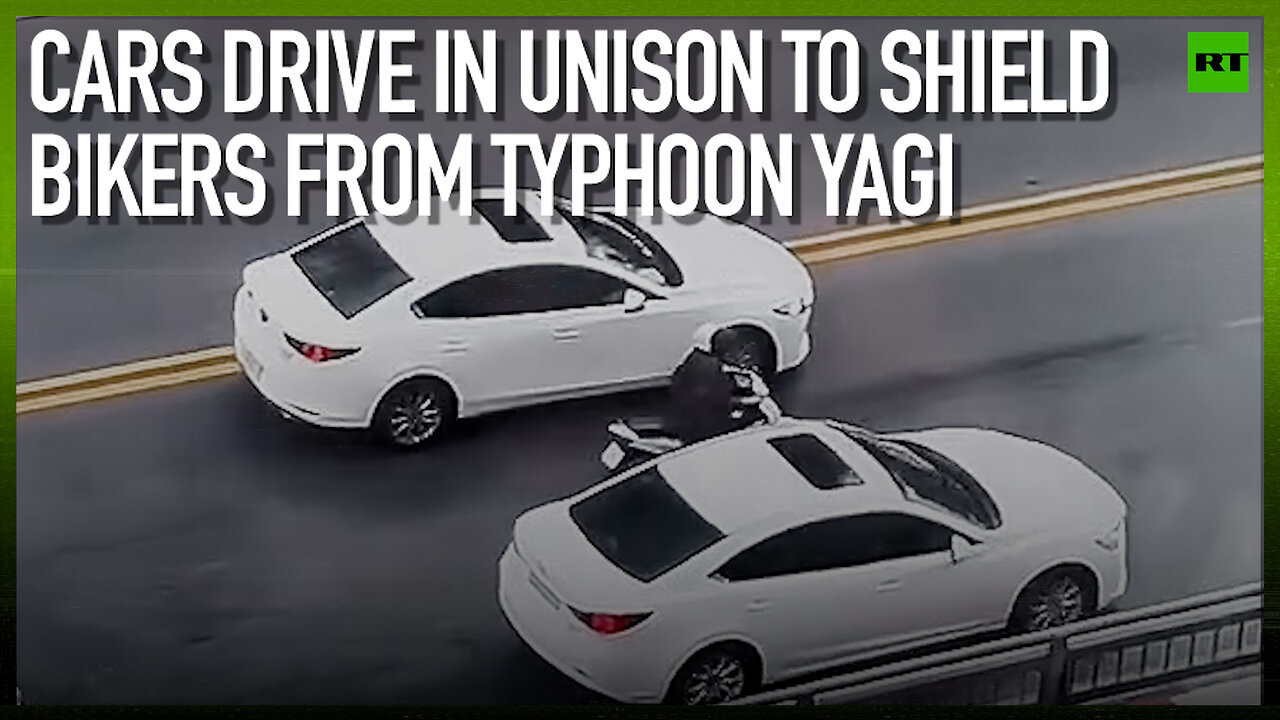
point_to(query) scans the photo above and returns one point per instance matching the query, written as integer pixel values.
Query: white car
(783, 550)
(403, 325)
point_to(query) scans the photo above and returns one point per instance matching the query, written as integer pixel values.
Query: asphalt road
(94, 292)
(188, 546)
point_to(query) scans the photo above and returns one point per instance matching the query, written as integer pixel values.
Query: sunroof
(519, 228)
(817, 462)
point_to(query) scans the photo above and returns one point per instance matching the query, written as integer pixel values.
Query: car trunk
(288, 304)
(549, 542)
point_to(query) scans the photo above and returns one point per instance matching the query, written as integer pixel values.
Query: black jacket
(702, 398)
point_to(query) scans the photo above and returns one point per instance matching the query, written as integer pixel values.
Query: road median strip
(1032, 210)
(211, 363)
(127, 379)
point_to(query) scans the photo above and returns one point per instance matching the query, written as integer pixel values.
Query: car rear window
(350, 269)
(817, 462)
(519, 228)
(643, 526)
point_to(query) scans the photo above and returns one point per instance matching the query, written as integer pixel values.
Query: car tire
(413, 413)
(714, 676)
(746, 347)
(1053, 599)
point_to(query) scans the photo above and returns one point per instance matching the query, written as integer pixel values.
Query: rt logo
(1217, 62)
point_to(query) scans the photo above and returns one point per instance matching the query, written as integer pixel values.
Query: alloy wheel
(1060, 601)
(718, 679)
(414, 417)
(744, 353)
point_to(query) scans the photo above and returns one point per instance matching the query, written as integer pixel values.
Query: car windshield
(617, 240)
(643, 526)
(350, 269)
(926, 475)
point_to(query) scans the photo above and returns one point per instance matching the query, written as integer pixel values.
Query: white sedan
(783, 550)
(404, 325)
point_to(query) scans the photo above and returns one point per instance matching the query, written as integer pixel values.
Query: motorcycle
(636, 440)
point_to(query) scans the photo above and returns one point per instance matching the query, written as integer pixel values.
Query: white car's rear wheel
(413, 413)
(714, 676)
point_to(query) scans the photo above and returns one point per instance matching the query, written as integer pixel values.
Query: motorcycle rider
(707, 399)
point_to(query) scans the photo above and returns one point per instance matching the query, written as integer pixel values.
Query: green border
(314, 8)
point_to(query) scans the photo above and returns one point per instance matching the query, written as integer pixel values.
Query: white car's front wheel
(1055, 598)
(746, 348)
(414, 412)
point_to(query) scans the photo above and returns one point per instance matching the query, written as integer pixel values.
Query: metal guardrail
(1109, 656)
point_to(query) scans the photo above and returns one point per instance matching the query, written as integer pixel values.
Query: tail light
(610, 623)
(318, 353)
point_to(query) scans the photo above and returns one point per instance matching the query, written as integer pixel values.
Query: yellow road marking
(210, 363)
(116, 372)
(1033, 210)
(74, 395)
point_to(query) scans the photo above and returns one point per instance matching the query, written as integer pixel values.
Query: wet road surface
(188, 546)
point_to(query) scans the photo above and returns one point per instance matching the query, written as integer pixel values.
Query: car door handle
(758, 606)
(889, 586)
(566, 334)
(454, 346)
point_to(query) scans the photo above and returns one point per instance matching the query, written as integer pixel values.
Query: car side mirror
(962, 549)
(633, 300)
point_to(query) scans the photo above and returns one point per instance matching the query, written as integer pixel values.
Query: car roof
(741, 480)
(442, 244)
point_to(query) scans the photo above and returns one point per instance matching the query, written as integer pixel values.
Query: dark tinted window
(571, 287)
(817, 462)
(519, 228)
(499, 292)
(350, 269)
(839, 543)
(513, 291)
(643, 526)
(795, 551)
(953, 488)
(888, 536)
(616, 239)
(925, 474)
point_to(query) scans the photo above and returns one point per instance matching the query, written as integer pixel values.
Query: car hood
(714, 253)
(1035, 486)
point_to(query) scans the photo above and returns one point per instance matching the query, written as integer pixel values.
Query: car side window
(838, 543)
(889, 536)
(515, 291)
(782, 554)
(564, 287)
(497, 292)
